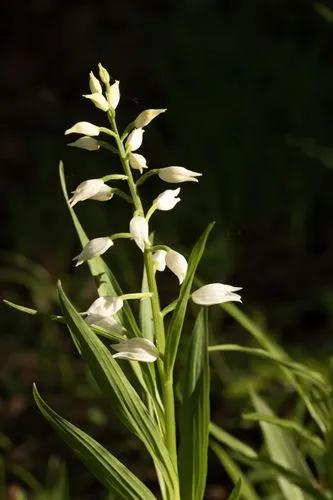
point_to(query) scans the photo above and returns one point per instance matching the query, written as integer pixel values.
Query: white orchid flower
(134, 140)
(137, 161)
(167, 200)
(108, 323)
(216, 293)
(99, 101)
(158, 259)
(103, 74)
(177, 263)
(94, 189)
(113, 94)
(140, 231)
(146, 117)
(85, 142)
(84, 128)
(136, 349)
(94, 84)
(178, 174)
(105, 306)
(93, 248)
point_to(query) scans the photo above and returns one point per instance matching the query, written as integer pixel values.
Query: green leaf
(106, 282)
(234, 472)
(233, 443)
(299, 369)
(283, 451)
(272, 469)
(146, 312)
(111, 335)
(101, 463)
(290, 425)
(267, 343)
(177, 319)
(194, 415)
(236, 492)
(123, 398)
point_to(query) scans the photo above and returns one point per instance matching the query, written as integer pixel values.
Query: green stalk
(166, 383)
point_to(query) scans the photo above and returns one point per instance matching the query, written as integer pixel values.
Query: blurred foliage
(248, 87)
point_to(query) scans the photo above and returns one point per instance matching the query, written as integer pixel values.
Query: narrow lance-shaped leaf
(123, 398)
(236, 492)
(109, 471)
(195, 414)
(234, 472)
(177, 320)
(230, 441)
(282, 450)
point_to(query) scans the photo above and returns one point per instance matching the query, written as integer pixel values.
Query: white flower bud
(94, 84)
(103, 74)
(134, 140)
(177, 174)
(113, 95)
(216, 293)
(99, 101)
(93, 248)
(139, 231)
(167, 200)
(105, 306)
(177, 263)
(84, 128)
(136, 349)
(108, 323)
(158, 259)
(146, 117)
(94, 189)
(85, 142)
(137, 161)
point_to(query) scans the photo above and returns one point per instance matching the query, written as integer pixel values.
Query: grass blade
(101, 463)
(236, 492)
(177, 319)
(123, 397)
(194, 415)
(234, 472)
(231, 442)
(283, 451)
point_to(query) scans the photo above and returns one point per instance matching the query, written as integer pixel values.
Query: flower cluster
(103, 312)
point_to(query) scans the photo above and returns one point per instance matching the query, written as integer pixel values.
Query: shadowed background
(248, 87)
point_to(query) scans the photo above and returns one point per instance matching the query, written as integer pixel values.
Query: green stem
(166, 383)
(121, 194)
(114, 177)
(117, 236)
(146, 176)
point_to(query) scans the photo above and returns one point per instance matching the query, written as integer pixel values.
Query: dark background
(248, 87)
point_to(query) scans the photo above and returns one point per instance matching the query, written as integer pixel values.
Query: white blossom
(134, 140)
(85, 142)
(108, 323)
(94, 189)
(94, 84)
(167, 200)
(216, 293)
(113, 94)
(84, 128)
(93, 248)
(137, 161)
(136, 349)
(178, 174)
(103, 74)
(146, 117)
(177, 263)
(140, 231)
(105, 306)
(158, 259)
(99, 101)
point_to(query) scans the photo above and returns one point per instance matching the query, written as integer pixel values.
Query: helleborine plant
(144, 401)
